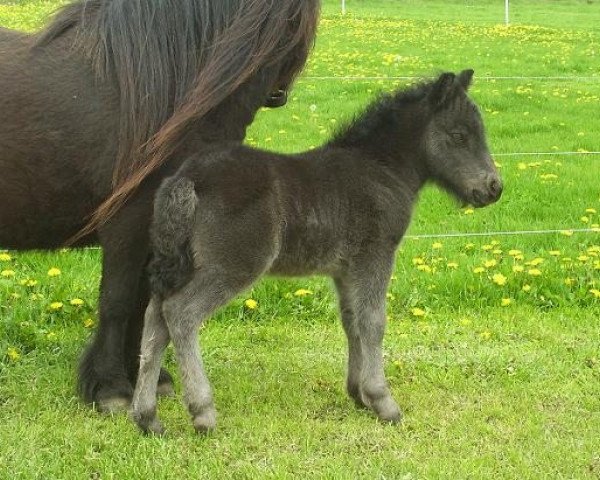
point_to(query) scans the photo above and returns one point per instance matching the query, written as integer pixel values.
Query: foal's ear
(465, 78)
(442, 89)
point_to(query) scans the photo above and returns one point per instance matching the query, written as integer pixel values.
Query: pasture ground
(493, 345)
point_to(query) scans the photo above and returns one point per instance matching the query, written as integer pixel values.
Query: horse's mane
(176, 60)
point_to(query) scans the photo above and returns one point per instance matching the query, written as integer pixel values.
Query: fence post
(506, 19)
(343, 7)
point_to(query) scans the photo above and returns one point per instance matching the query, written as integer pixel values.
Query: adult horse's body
(98, 102)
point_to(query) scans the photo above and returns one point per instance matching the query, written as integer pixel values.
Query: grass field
(493, 343)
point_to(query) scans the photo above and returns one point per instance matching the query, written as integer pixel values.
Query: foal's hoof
(206, 422)
(149, 424)
(165, 386)
(387, 410)
(153, 428)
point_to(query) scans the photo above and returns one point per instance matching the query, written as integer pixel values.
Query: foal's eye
(458, 138)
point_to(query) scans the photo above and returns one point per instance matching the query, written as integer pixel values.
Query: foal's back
(305, 212)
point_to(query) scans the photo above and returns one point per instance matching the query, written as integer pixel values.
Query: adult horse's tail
(176, 60)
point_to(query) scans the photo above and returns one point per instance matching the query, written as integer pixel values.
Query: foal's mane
(379, 114)
(382, 113)
(174, 61)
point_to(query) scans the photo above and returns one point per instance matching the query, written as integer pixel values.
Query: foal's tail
(172, 264)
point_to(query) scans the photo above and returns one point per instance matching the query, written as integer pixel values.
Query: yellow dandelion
(583, 258)
(490, 263)
(499, 279)
(13, 354)
(486, 248)
(465, 322)
(595, 292)
(418, 261)
(506, 302)
(597, 265)
(437, 246)
(5, 257)
(569, 281)
(469, 246)
(585, 219)
(424, 268)
(478, 270)
(526, 288)
(7, 273)
(56, 305)
(554, 253)
(518, 268)
(514, 253)
(590, 211)
(54, 272)
(452, 265)
(468, 211)
(77, 302)
(497, 252)
(535, 262)
(51, 336)
(567, 233)
(534, 272)
(485, 335)
(251, 304)
(88, 323)
(417, 312)
(302, 292)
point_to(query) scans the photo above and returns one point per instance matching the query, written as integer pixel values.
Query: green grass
(488, 391)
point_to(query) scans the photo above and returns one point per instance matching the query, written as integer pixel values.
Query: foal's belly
(323, 258)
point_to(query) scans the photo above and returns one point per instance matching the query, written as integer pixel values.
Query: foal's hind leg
(184, 312)
(155, 338)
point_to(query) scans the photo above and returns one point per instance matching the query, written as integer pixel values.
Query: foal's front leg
(364, 292)
(355, 363)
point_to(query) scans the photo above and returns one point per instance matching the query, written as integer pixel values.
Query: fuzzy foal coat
(232, 215)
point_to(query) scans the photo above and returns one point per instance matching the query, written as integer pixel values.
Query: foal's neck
(390, 137)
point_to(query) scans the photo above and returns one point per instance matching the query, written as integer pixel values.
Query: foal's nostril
(495, 188)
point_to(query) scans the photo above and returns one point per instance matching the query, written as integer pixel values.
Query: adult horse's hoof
(112, 395)
(113, 405)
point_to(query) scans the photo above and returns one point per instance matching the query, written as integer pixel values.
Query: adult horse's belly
(57, 143)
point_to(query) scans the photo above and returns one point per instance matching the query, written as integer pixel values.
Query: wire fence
(561, 78)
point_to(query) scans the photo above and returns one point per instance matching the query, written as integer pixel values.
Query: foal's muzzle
(489, 192)
(276, 99)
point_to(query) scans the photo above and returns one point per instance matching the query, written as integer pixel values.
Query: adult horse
(106, 101)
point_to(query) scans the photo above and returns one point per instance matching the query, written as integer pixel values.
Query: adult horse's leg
(103, 374)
